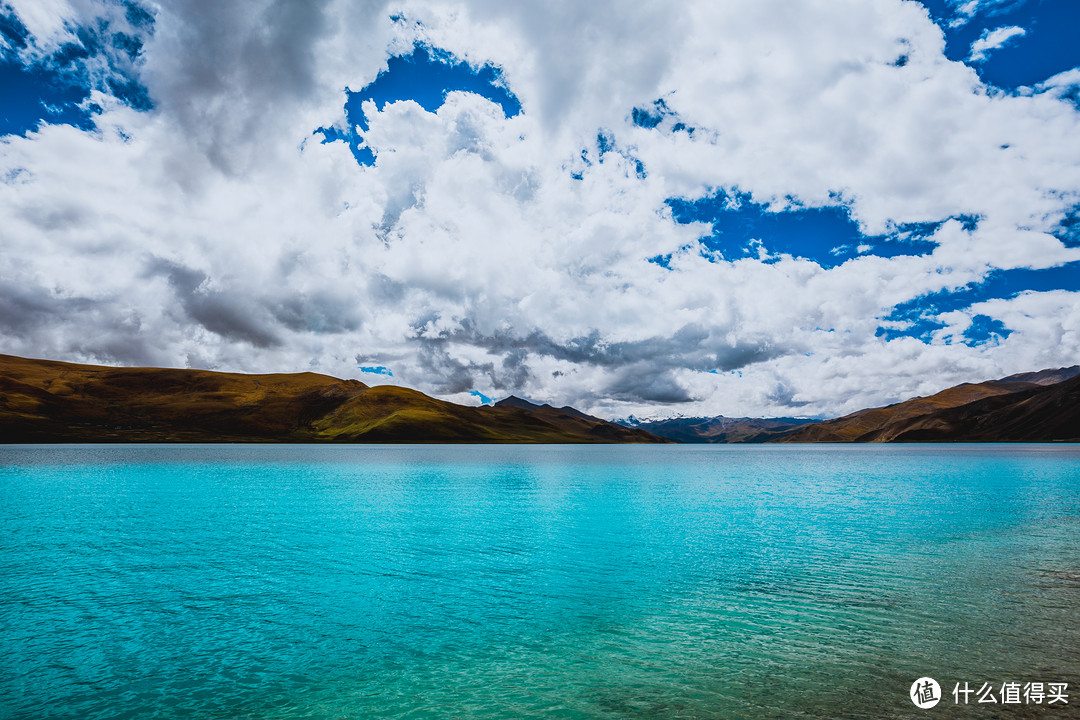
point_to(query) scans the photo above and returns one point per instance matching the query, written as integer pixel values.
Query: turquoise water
(513, 581)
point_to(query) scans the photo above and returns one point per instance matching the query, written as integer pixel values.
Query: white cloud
(1064, 86)
(217, 231)
(966, 10)
(992, 40)
(48, 21)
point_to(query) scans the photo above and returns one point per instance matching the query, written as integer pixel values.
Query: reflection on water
(514, 581)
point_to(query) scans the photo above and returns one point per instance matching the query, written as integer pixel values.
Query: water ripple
(564, 582)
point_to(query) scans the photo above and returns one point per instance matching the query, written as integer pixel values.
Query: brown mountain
(721, 429)
(46, 401)
(1028, 407)
(1040, 414)
(1045, 377)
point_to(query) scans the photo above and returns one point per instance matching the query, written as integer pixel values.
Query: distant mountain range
(44, 401)
(719, 429)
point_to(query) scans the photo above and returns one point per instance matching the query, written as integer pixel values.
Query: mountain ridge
(52, 401)
(719, 429)
(955, 414)
(1003, 410)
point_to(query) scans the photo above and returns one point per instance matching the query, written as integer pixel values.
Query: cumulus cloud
(520, 254)
(992, 40)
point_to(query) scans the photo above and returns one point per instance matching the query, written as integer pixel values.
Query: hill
(1028, 407)
(1040, 414)
(46, 401)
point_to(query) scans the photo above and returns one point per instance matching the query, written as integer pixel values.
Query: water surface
(517, 581)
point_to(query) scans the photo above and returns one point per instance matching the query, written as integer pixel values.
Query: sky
(748, 208)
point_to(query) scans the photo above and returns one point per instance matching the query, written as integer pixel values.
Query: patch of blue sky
(424, 76)
(645, 118)
(484, 399)
(138, 16)
(655, 117)
(54, 89)
(1068, 230)
(1047, 47)
(13, 34)
(606, 145)
(120, 50)
(919, 317)
(826, 235)
(663, 261)
(985, 330)
(376, 370)
(33, 95)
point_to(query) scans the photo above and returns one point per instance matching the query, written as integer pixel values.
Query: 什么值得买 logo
(925, 693)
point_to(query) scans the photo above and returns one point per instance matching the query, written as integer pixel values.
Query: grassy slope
(46, 401)
(1039, 414)
(1029, 407)
(885, 423)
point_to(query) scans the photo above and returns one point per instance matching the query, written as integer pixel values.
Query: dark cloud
(783, 395)
(110, 333)
(385, 291)
(25, 309)
(56, 216)
(120, 344)
(642, 370)
(691, 346)
(320, 312)
(644, 384)
(239, 315)
(515, 368)
(232, 68)
(233, 316)
(449, 375)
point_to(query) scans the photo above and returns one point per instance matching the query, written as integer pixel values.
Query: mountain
(1044, 377)
(514, 401)
(1027, 407)
(720, 429)
(1041, 414)
(46, 401)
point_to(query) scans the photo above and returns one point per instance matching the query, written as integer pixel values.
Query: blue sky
(1047, 47)
(424, 76)
(708, 210)
(34, 95)
(53, 85)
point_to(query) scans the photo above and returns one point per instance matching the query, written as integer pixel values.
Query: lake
(240, 581)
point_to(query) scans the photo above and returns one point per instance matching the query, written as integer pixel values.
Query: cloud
(966, 10)
(992, 40)
(519, 254)
(1064, 86)
(229, 73)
